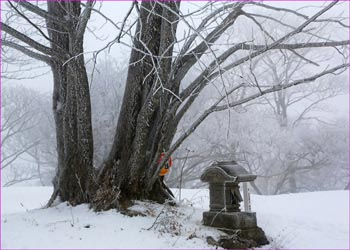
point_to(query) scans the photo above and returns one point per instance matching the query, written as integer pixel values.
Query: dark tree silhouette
(156, 96)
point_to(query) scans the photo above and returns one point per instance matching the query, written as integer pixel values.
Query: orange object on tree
(165, 169)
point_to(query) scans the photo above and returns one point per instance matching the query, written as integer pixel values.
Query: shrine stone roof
(226, 171)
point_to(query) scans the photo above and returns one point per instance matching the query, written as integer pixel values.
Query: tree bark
(136, 143)
(72, 110)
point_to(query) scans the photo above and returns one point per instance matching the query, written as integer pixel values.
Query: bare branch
(283, 86)
(202, 79)
(27, 52)
(202, 25)
(215, 108)
(84, 18)
(279, 9)
(304, 58)
(124, 20)
(7, 160)
(192, 128)
(30, 22)
(187, 61)
(259, 25)
(40, 12)
(23, 38)
(309, 108)
(298, 14)
(206, 76)
(279, 41)
(293, 46)
(16, 181)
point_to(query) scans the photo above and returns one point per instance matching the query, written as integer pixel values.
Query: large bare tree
(157, 93)
(154, 103)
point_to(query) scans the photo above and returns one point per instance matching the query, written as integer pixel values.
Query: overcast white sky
(116, 10)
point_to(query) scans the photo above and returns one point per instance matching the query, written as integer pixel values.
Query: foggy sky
(116, 11)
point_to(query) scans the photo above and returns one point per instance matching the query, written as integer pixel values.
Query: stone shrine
(224, 206)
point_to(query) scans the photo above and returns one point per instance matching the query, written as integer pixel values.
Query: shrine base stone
(232, 220)
(241, 228)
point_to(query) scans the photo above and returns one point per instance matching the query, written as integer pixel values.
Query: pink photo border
(163, 0)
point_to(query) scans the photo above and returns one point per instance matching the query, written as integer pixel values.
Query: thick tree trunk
(72, 111)
(137, 142)
(76, 175)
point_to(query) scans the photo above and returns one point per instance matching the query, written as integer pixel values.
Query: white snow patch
(59, 106)
(307, 220)
(317, 220)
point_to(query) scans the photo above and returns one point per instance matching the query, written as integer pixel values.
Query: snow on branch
(292, 46)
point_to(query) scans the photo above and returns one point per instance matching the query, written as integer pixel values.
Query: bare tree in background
(156, 96)
(281, 104)
(16, 120)
(28, 145)
(310, 98)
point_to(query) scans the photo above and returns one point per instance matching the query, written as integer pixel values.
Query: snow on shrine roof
(226, 171)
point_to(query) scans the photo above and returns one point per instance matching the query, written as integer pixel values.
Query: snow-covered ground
(307, 220)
